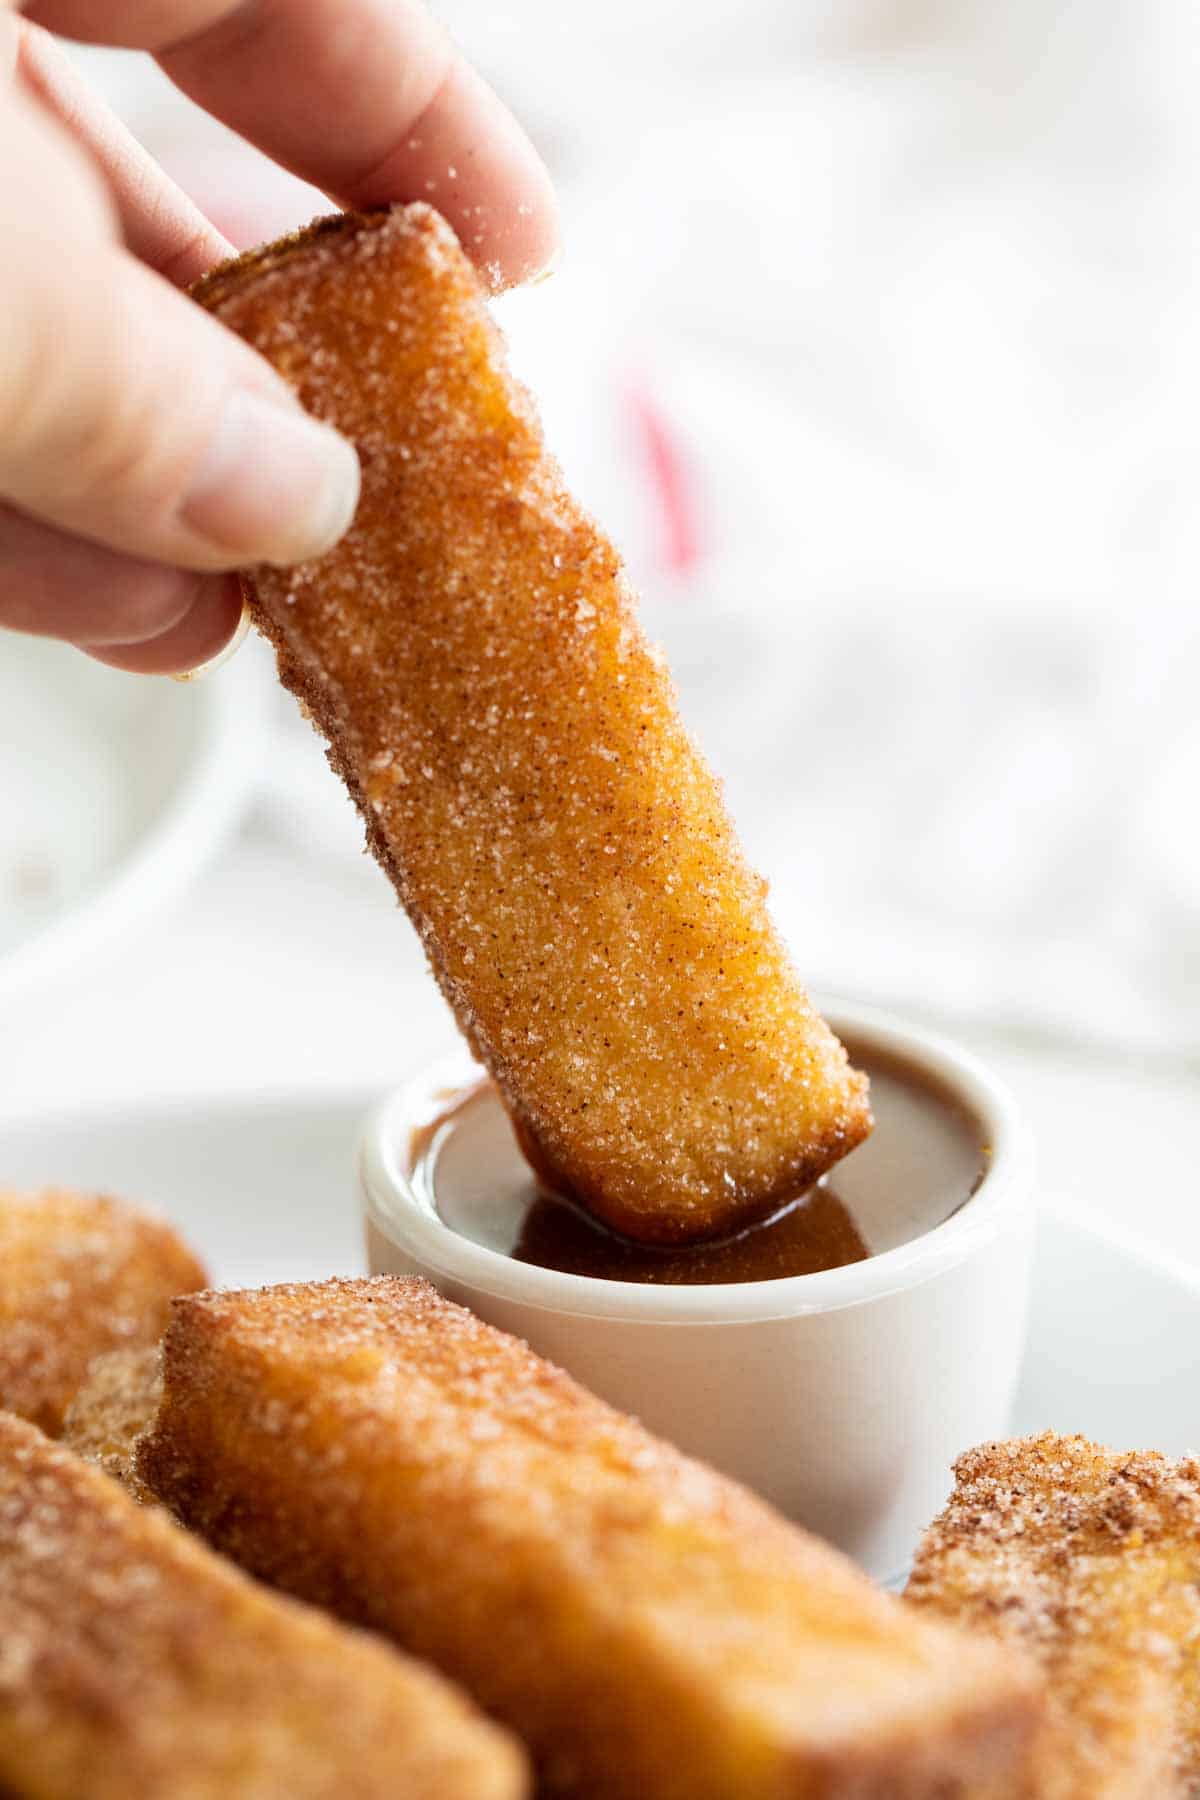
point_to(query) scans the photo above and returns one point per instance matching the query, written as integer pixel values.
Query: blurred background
(875, 346)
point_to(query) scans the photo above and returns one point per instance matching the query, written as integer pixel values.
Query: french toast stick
(137, 1665)
(116, 1402)
(647, 1627)
(80, 1274)
(1089, 1561)
(472, 653)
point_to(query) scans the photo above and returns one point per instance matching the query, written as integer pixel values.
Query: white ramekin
(841, 1396)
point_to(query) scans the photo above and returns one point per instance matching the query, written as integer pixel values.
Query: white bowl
(114, 791)
(841, 1396)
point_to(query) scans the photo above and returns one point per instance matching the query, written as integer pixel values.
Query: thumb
(129, 416)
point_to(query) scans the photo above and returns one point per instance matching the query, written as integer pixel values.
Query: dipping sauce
(926, 1156)
(814, 1232)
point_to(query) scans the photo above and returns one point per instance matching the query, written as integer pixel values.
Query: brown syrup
(814, 1232)
(894, 1192)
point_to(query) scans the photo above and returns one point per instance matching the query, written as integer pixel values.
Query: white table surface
(280, 972)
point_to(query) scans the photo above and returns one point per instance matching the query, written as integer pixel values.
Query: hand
(145, 452)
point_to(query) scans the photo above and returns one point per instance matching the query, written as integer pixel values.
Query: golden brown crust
(1090, 1561)
(647, 1626)
(136, 1665)
(80, 1274)
(117, 1402)
(472, 653)
(228, 277)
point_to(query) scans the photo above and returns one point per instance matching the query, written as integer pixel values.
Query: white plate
(114, 791)
(265, 1189)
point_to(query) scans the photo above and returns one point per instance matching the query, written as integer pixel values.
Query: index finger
(367, 99)
(160, 225)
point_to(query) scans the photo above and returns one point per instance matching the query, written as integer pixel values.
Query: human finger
(368, 99)
(147, 617)
(161, 226)
(55, 585)
(206, 630)
(128, 415)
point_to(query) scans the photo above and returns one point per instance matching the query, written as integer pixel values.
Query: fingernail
(221, 658)
(274, 485)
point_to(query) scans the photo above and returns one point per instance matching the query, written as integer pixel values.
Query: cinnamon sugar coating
(136, 1665)
(80, 1274)
(647, 1626)
(472, 653)
(1089, 1560)
(115, 1404)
